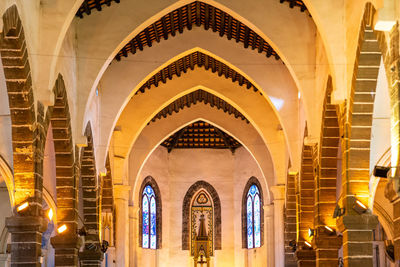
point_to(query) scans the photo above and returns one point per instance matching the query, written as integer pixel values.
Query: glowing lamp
(310, 232)
(50, 214)
(22, 206)
(328, 230)
(359, 207)
(62, 228)
(308, 244)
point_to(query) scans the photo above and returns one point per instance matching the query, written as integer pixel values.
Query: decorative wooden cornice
(197, 14)
(197, 97)
(88, 5)
(200, 134)
(295, 3)
(189, 62)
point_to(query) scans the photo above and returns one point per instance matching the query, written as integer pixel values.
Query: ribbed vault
(192, 15)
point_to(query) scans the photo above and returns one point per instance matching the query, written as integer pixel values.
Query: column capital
(278, 191)
(121, 191)
(91, 257)
(26, 223)
(268, 210)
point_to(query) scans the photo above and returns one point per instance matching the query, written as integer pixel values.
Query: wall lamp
(338, 211)
(293, 245)
(104, 246)
(381, 171)
(62, 229)
(311, 232)
(23, 206)
(308, 245)
(359, 207)
(328, 230)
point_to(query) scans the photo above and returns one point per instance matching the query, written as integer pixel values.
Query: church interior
(210, 133)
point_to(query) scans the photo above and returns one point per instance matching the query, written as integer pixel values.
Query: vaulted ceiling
(189, 62)
(197, 14)
(200, 134)
(197, 97)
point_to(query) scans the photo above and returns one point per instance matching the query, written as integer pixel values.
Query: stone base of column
(305, 257)
(66, 249)
(26, 239)
(91, 258)
(357, 239)
(326, 248)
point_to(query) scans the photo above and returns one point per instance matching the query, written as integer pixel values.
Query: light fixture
(338, 211)
(381, 171)
(50, 214)
(308, 244)
(82, 231)
(293, 245)
(310, 232)
(62, 228)
(328, 230)
(104, 246)
(23, 206)
(359, 207)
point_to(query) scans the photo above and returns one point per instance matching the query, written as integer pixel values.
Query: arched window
(149, 220)
(252, 215)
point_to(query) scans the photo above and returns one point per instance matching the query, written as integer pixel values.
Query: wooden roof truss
(190, 61)
(88, 5)
(200, 134)
(195, 97)
(197, 14)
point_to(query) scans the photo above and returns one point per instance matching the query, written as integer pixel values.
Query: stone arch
(252, 181)
(90, 192)
(186, 213)
(7, 175)
(152, 182)
(58, 121)
(26, 139)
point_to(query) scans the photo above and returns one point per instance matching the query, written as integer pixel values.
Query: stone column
(327, 247)
(66, 248)
(279, 200)
(26, 239)
(91, 257)
(121, 197)
(133, 230)
(357, 237)
(4, 260)
(269, 234)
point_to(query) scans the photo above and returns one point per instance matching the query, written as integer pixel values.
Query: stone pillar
(121, 197)
(4, 260)
(66, 246)
(26, 239)
(91, 257)
(133, 230)
(269, 234)
(327, 247)
(279, 200)
(357, 238)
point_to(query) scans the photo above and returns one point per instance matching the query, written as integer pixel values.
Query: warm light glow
(23, 206)
(62, 228)
(361, 204)
(328, 228)
(310, 232)
(50, 214)
(307, 244)
(384, 26)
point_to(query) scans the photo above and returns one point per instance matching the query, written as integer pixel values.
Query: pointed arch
(252, 181)
(186, 213)
(150, 181)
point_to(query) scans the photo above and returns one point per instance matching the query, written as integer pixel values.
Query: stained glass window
(253, 211)
(149, 220)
